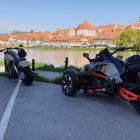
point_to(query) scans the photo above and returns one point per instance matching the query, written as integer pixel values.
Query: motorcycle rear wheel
(28, 80)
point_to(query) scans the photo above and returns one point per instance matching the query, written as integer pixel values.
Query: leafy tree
(129, 38)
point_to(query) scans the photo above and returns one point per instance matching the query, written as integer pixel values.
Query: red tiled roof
(4, 37)
(86, 25)
(107, 27)
(70, 39)
(136, 24)
(111, 27)
(61, 31)
(128, 27)
(108, 34)
(119, 27)
(38, 36)
(66, 39)
(20, 37)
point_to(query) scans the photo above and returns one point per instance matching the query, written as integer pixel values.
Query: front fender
(24, 64)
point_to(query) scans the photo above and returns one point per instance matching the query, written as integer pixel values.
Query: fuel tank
(10, 56)
(105, 67)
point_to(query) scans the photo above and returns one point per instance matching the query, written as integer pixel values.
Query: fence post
(66, 63)
(6, 68)
(33, 65)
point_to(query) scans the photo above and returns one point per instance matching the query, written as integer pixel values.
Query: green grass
(64, 49)
(1, 63)
(3, 74)
(49, 48)
(51, 67)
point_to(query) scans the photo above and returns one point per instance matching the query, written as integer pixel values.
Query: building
(64, 32)
(107, 38)
(86, 29)
(84, 34)
(110, 28)
(65, 41)
(4, 39)
(136, 26)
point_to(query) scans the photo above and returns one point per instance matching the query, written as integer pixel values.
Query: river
(57, 57)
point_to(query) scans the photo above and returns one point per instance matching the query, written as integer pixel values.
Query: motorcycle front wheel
(11, 72)
(28, 76)
(69, 84)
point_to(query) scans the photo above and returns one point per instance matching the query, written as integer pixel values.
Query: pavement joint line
(6, 116)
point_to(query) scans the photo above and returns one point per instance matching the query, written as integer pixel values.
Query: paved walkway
(49, 75)
(1, 68)
(45, 74)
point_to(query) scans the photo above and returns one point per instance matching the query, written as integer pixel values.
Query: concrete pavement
(49, 75)
(46, 74)
(42, 112)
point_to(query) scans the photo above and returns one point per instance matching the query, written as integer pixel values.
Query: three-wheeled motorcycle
(104, 74)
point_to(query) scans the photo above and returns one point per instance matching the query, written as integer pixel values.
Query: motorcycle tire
(28, 80)
(11, 73)
(69, 84)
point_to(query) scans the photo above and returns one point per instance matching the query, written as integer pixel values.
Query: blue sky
(48, 15)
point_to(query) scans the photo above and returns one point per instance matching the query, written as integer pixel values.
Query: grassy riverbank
(49, 48)
(46, 67)
(64, 49)
(1, 63)
(3, 74)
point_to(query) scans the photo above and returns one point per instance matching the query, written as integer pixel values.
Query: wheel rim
(21, 75)
(67, 83)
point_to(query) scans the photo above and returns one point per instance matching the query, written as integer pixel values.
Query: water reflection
(57, 57)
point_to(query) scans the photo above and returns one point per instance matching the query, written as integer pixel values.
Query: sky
(49, 15)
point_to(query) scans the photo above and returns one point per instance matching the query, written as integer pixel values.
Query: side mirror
(86, 55)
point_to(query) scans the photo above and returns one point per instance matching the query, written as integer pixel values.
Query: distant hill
(18, 32)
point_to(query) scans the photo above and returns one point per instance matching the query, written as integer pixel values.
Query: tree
(137, 46)
(129, 38)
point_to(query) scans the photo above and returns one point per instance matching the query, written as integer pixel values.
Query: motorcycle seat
(20, 59)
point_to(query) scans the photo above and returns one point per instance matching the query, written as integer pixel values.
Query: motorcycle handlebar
(9, 49)
(13, 48)
(121, 49)
(107, 52)
(128, 48)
